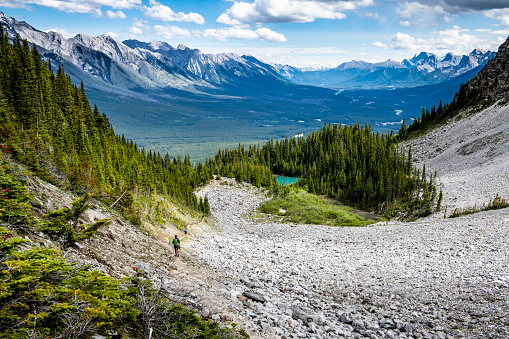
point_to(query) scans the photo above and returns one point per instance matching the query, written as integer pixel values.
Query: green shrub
(42, 295)
(63, 224)
(497, 203)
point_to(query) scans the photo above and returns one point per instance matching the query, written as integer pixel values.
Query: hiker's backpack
(176, 242)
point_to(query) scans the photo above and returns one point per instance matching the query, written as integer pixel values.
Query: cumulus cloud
(114, 15)
(64, 33)
(380, 45)
(284, 11)
(227, 20)
(455, 39)
(499, 14)
(415, 13)
(459, 6)
(261, 33)
(267, 34)
(94, 7)
(164, 13)
(136, 30)
(171, 32)
(138, 27)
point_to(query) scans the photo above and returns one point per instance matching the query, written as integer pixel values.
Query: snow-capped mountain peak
(135, 64)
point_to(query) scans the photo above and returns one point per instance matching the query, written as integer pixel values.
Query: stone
(254, 296)
(265, 327)
(387, 323)
(241, 298)
(358, 325)
(298, 313)
(248, 283)
(319, 319)
(346, 318)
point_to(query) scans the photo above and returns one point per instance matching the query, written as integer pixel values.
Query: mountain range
(136, 65)
(183, 101)
(422, 69)
(132, 64)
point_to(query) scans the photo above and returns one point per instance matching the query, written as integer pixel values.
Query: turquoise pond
(283, 181)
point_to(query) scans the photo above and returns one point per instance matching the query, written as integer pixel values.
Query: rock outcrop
(492, 81)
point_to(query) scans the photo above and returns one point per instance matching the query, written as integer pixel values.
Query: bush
(63, 224)
(42, 295)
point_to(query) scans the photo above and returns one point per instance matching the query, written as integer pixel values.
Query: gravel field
(444, 278)
(434, 278)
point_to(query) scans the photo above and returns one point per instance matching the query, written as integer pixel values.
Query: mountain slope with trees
(49, 125)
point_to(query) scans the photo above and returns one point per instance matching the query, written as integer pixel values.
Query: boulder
(254, 296)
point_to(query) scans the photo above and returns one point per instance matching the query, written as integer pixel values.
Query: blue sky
(303, 33)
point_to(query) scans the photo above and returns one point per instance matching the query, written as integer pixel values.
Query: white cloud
(283, 11)
(115, 15)
(267, 34)
(64, 33)
(443, 41)
(417, 14)
(371, 15)
(405, 41)
(165, 13)
(170, 32)
(93, 7)
(261, 33)
(139, 26)
(227, 20)
(380, 45)
(499, 14)
(501, 32)
(113, 34)
(465, 6)
(136, 30)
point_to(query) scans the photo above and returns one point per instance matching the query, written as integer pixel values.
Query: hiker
(176, 245)
(185, 232)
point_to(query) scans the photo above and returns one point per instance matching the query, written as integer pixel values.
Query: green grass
(497, 203)
(299, 206)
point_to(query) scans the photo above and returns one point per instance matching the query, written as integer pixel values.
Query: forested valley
(49, 126)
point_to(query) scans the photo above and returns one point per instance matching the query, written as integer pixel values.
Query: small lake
(283, 181)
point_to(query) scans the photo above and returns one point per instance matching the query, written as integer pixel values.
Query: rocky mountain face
(422, 69)
(493, 80)
(133, 64)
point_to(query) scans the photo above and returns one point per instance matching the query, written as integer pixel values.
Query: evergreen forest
(349, 163)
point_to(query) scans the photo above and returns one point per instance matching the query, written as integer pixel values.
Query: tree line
(350, 163)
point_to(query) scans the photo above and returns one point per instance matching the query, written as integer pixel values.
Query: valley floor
(439, 278)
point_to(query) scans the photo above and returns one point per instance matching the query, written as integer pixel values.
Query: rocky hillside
(471, 156)
(493, 80)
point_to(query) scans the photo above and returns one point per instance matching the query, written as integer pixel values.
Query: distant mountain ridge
(422, 69)
(133, 64)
